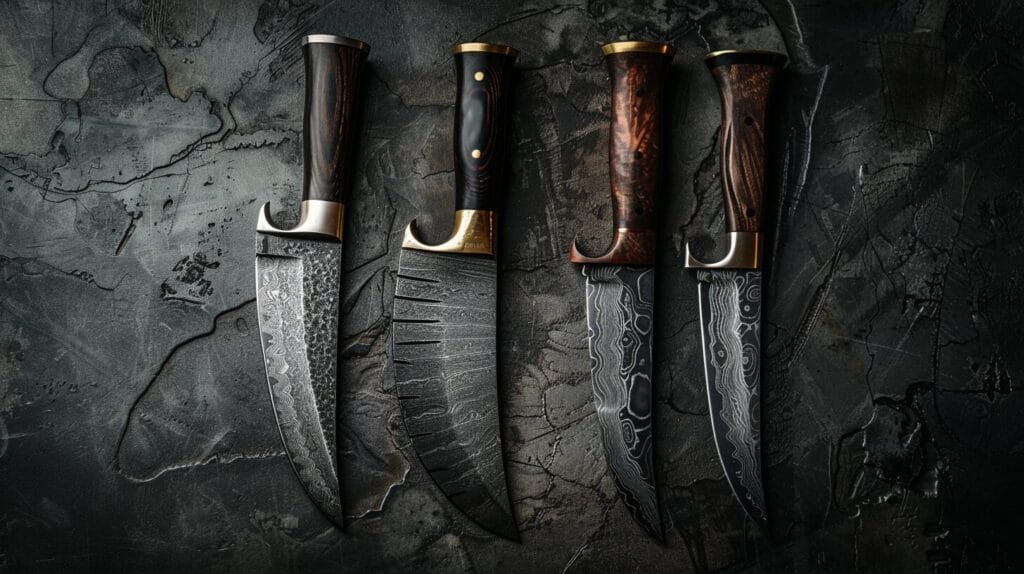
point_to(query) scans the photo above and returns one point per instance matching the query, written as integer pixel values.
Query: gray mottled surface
(138, 139)
(445, 353)
(297, 285)
(620, 339)
(730, 317)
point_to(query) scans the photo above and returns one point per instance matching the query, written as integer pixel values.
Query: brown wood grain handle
(334, 68)
(637, 71)
(745, 82)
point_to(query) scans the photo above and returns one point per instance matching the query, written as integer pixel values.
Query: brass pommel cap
(484, 47)
(638, 46)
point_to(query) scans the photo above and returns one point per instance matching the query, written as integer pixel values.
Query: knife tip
(505, 528)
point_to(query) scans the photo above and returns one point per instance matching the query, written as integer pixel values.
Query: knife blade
(729, 290)
(298, 273)
(445, 308)
(620, 283)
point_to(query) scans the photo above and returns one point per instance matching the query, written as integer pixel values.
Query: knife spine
(637, 71)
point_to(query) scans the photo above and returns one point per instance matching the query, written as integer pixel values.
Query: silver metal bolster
(746, 250)
(317, 218)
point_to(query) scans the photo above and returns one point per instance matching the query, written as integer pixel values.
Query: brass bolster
(746, 250)
(473, 232)
(317, 218)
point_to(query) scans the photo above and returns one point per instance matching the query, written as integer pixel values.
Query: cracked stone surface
(138, 140)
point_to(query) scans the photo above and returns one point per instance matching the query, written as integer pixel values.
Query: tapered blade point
(297, 289)
(730, 318)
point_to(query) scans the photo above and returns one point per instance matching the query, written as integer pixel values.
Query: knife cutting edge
(298, 273)
(729, 290)
(445, 313)
(620, 283)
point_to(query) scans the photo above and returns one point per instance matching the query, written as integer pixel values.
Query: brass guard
(473, 232)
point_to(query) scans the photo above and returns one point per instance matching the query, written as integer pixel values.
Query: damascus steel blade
(297, 288)
(445, 356)
(730, 318)
(620, 321)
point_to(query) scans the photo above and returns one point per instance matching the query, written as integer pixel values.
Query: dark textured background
(138, 139)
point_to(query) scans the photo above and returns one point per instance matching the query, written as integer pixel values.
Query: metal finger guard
(318, 218)
(473, 232)
(746, 250)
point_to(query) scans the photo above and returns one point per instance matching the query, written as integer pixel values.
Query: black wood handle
(334, 67)
(637, 70)
(745, 81)
(483, 75)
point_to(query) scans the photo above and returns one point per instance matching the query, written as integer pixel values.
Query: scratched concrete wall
(137, 140)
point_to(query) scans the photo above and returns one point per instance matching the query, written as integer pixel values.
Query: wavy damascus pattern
(297, 286)
(620, 321)
(445, 359)
(730, 316)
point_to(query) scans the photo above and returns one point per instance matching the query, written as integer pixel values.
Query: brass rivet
(479, 76)
(475, 153)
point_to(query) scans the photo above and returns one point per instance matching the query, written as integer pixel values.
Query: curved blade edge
(445, 356)
(730, 319)
(297, 300)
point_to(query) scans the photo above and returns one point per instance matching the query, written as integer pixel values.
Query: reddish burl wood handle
(637, 71)
(745, 81)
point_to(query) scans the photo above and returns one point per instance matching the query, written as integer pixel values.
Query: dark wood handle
(334, 68)
(638, 75)
(483, 75)
(745, 81)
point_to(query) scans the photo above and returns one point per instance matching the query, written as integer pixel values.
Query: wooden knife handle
(483, 75)
(334, 68)
(637, 71)
(745, 82)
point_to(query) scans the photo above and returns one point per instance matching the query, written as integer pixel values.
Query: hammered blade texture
(730, 317)
(297, 289)
(445, 357)
(620, 321)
